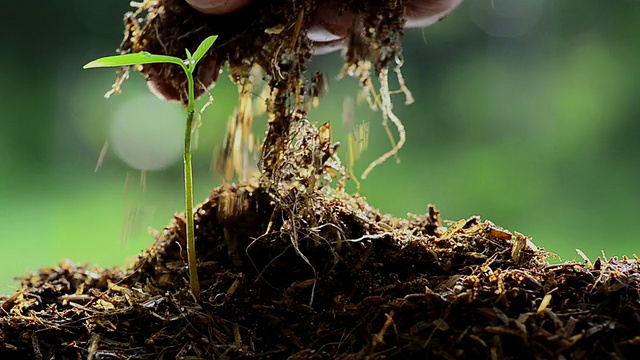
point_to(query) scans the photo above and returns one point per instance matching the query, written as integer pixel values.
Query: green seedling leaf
(202, 49)
(139, 58)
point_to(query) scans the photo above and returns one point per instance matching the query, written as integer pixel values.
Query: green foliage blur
(526, 113)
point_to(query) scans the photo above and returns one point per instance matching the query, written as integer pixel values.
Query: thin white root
(198, 121)
(369, 237)
(375, 101)
(408, 97)
(387, 112)
(120, 79)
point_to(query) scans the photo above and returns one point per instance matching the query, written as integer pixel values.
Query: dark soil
(292, 267)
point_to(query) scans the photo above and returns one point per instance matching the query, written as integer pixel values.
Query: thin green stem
(188, 191)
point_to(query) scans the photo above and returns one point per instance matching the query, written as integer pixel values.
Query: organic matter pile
(339, 281)
(292, 267)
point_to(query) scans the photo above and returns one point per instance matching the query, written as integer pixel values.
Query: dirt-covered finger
(422, 13)
(217, 7)
(331, 28)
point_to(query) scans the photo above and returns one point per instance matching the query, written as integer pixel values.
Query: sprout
(188, 65)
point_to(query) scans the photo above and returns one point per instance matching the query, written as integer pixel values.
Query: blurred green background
(526, 114)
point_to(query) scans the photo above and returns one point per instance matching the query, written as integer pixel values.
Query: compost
(294, 267)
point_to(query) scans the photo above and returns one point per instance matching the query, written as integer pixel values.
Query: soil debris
(269, 34)
(269, 37)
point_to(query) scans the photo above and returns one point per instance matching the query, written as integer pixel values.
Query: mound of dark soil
(341, 282)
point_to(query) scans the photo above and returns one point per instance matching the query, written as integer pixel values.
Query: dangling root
(387, 113)
(362, 71)
(408, 97)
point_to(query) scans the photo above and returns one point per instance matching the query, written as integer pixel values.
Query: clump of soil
(292, 267)
(270, 36)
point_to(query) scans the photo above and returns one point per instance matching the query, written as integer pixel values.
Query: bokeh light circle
(506, 18)
(146, 133)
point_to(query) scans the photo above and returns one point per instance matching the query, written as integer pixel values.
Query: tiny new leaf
(202, 49)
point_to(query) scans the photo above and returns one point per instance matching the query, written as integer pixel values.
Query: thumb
(422, 13)
(217, 7)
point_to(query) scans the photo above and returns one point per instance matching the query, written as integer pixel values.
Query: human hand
(330, 29)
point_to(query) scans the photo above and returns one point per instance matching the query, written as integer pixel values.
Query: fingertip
(320, 34)
(175, 89)
(327, 47)
(217, 7)
(423, 13)
(163, 90)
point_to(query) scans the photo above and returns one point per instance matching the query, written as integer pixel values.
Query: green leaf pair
(144, 57)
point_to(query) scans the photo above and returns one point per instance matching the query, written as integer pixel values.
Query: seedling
(189, 66)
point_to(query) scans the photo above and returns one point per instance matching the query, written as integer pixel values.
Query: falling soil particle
(293, 268)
